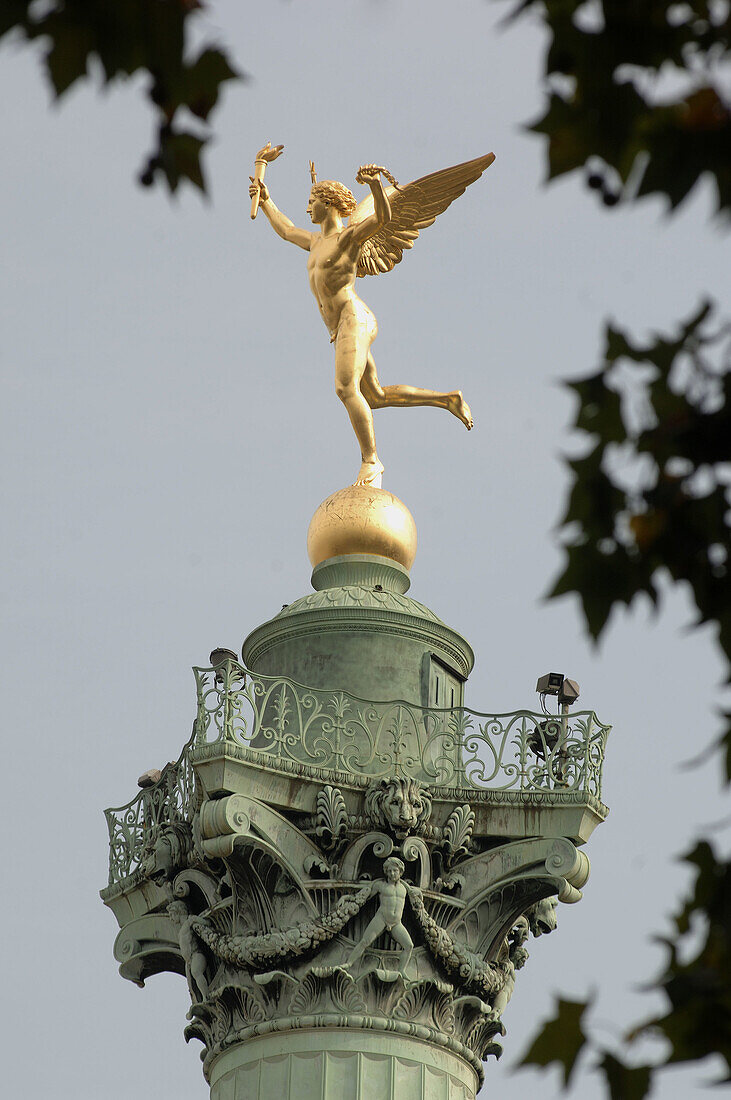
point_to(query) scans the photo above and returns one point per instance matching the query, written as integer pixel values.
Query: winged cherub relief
(378, 230)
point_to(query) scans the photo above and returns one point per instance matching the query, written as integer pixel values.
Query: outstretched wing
(413, 208)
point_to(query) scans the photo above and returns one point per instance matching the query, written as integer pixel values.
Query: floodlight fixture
(569, 692)
(550, 684)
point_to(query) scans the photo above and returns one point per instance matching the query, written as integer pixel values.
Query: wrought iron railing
(134, 828)
(322, 731)
(318, 732)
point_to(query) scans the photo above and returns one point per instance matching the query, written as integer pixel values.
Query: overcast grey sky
(170, 425)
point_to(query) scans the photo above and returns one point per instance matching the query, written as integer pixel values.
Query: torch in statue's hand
(257, 190)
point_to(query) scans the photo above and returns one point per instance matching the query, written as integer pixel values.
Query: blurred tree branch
(127, 37)
(635, 100)
(635, 95)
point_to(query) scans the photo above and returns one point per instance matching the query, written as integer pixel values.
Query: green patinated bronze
(348, 878)
(550, 767)
(359, 632)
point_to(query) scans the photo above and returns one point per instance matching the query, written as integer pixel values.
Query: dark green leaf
(618, 347)
(561, 1039)
(625, 1082)
(698, 988)
(13, 15)
(203, 81)
(68, 56)
(600, 408)
(601, 580)
(180, 155)
(724, 744)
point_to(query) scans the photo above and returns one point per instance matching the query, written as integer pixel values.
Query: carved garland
(259, 951)
(455, 957)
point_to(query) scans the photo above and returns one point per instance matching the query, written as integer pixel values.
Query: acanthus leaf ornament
(332, 817)
(458, 833)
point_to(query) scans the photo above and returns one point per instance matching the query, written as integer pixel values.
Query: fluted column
(340, 1065)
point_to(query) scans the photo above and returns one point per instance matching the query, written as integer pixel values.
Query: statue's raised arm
(265, 156)
(373, 241)
(360, 230)
(260, 197)
(413, 207)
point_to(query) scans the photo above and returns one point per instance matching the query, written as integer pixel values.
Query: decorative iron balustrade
(135, 827)
(283, 724)
(320, 731)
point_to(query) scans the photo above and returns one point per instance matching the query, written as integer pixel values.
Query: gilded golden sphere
(362, 520)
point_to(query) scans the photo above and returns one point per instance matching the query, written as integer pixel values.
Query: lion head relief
(401, 805)
(167, 850)
(542, 916)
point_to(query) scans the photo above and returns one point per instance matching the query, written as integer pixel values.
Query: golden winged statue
(377, 232)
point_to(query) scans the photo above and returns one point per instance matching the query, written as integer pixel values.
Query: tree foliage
(635, 95)
(697, 1022)
(651, 495)
(561, 1040)
(126, 37)
(634, 99)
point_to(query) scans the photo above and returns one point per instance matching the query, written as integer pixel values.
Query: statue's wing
(413, 208)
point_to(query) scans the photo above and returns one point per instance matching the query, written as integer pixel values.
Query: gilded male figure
(373, 241)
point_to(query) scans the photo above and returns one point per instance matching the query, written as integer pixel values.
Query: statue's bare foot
(371, 473)
(459, 408)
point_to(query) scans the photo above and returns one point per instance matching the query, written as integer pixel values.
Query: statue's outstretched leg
(383, 397)
(372, 932)
(403, 939)
(351, 352)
